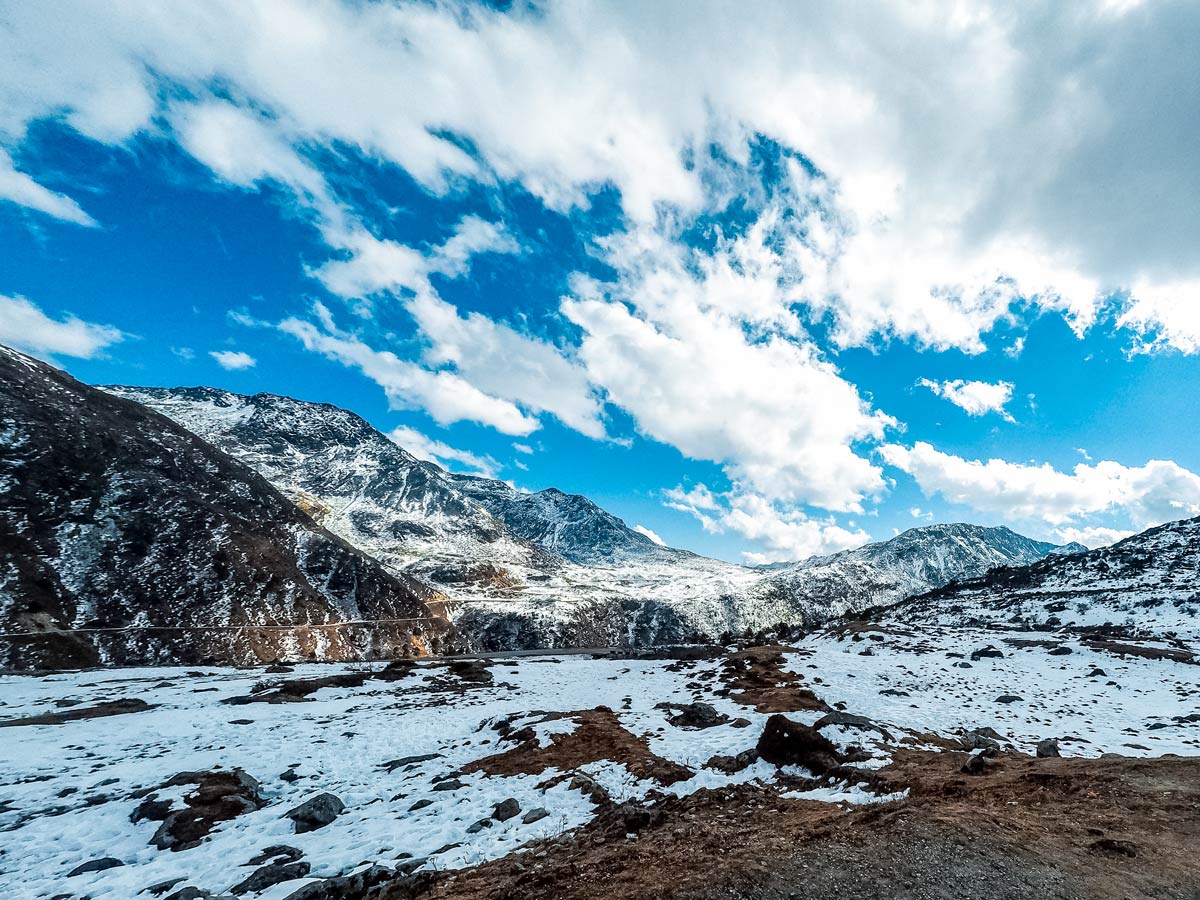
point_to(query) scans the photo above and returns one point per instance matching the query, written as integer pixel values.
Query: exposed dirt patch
(218, 797)
(599, 735)
(108, 708)
(1118, 648)
(757, 678)
(1055, 829)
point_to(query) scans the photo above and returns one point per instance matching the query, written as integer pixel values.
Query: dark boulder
(787, 743)
(270, 875)
(505, 810)
(1048, 748)
(316, 812)
(95, 865)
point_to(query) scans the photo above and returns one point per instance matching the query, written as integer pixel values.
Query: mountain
(125, 538)
(1146, 584)
(549, 568)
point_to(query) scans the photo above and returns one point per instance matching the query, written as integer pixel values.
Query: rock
(479, 826)
(403, 761)
(1048, 749)
(279, 853)
(505, 810)
(315, 813)
(850, 720)
(988, 652)
(1009, 698)
(892, 692)
(157, 890)
(267, 876)
(190, 893)
(534, 815)
(784, 743)
(731, 764)
(344, 887)
(963, 665)
(981, 739)
(694, 715)
(95, 865)
(980, 762)
(150, 811)
(1097, 673)
(452, 784)
(278, 668)
(420, 804)
(740, 723)
(1061, 650)
(219, 797)
(1114, 847)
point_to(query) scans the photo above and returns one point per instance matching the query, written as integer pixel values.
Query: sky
(765, 280)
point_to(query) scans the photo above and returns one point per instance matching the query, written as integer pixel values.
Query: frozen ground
(66, 791)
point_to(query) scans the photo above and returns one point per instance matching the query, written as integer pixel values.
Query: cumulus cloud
(959, 189)
(443, 394)
(424, 447)
(974, 397)
(232, 360)
(642, 529)
(24, 326)
(780, 532)
(1143, 496)
(21, 189)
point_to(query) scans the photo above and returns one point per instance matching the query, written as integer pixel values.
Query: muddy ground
(1053, 829)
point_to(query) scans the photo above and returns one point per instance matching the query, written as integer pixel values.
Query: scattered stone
(278, 668)
(892, 692)
(479, 826)
(1048, 749)
(270, 875)
(694, 715)
(150, 811)
(980, 762)
(1097, 673)
(420, 804)
(404, 761)
(279, 853)
(344, 887)
(988, 652)
(784, 742)
(505, 810)
(731, 764)
(100, 710)
(452, 784)
(315, 813)
(981, 739)
(963, 665)
(1061, 650)
(534, 815)
(289, 776)
(95, 865)
(190, 893)
(1009, 698)
(740, 723)
(157, 890)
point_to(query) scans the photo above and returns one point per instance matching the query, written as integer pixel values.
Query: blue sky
(765, 304)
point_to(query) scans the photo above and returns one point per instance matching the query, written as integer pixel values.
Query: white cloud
(642, 529)
(21, 189)
(1093, 536)
(974, 397)
(1142, 496)
(443, 394)
(423, 447)
(781, 533)
(522, 448)
(232, 360)
(24, 326)
(959, 184)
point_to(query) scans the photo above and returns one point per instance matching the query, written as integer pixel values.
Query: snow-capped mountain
(125, 538)
(1148, 583)
(550, 568)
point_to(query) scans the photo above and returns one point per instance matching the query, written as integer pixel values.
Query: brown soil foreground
(1051, 829)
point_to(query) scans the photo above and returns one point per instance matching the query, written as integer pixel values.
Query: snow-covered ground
(65, 790)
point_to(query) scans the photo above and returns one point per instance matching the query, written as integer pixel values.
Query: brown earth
(756, 678)
(1052, 829)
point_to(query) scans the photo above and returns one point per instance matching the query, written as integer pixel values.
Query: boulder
(316, 812)
(534, 815)
(1048, 748)
(980, 763)
(850, 720)
(270, 875)
(505, 810)
(95, 865)
(218, 797)
(694, 715)
(787, 743)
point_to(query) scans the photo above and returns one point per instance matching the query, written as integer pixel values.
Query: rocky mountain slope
(913, 562)
(1146, 584)
(548, 568)
(125, 538)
